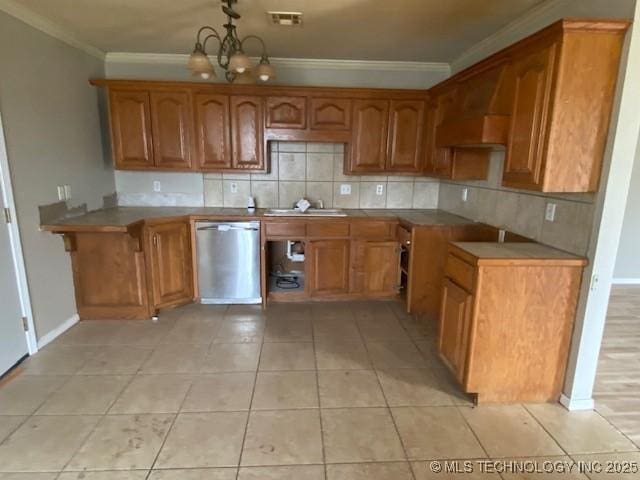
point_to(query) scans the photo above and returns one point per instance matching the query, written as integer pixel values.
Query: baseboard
(626, 281)
(56, 332)
(577, 404)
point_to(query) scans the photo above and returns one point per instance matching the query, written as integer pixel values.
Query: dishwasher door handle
(226, 228)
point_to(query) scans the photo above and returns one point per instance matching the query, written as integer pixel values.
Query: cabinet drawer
(404, 235)
(377, 230)
(285, 229)
(328, 229)
(460, 272)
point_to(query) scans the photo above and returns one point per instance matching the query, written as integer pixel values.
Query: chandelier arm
(202, 29)
(264, 46)
(211, 35)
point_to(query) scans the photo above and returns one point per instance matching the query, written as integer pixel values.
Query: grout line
(317, 373)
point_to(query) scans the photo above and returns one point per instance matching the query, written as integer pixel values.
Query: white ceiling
(401, 30)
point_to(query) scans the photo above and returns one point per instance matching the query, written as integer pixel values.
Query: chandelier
(231, 56)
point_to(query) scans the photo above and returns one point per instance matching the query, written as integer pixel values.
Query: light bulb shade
(199, 64)
(239, 62)
(264, 71)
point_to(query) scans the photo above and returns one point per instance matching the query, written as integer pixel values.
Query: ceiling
(406, 30)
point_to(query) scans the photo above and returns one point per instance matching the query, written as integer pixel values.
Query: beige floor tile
(342, 355)
(233, 331)
(287, 356)
(91, 332)
(116, 359)
(193, 330)
(429, 351)
(44, 443)
(245, 313)
(28, 476)
(298, 472)
(360, 435)
(395, 355)
(201, 440)
(220, 392)
(179, 358)
(112, 475)
(153, 394)
(370, 471)
(195, 474)
(350, 388)
(509, 431)
(57, 359)
(436, 433)
(388, 329)
(232, 357)
(331, 311)
(458, 469)
(122, 442)
(284, 437)
(9, 423)
(285, 390)
(408, 387)
(288, 330)
(621, 466)
(580, 432)
(85, 395)
(335, 328)
(24, 394)
(142, 333)
(542, 468)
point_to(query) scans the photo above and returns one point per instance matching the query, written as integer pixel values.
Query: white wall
(53, 133)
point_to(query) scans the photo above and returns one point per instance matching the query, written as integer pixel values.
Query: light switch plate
(380, 189)
(157, 186)
(234, 187)
(67, 192)
(61, 193)
(550, 212)
(345, 189)
(465, 194)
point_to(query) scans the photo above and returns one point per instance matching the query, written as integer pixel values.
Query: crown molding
(26, 15)
(181, 59)
(494, 42)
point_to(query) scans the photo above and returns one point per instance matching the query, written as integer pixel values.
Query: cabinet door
(171, 264)
(369, 136)
(172, 129)
(213, 131)
(375, 268)
(406, 129)
(527, 133)
(287, 112)
(247, 125)
(455, 317)
(328, 267)
(330, 114)
(131, 129)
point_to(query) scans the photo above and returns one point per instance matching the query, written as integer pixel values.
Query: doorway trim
(16, 244)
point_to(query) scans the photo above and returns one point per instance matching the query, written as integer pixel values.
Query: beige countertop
(514, 251)
(119, 218)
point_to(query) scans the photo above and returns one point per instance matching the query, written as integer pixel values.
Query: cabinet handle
(155, 239)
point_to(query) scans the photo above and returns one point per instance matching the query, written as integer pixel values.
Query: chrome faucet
(320, 204)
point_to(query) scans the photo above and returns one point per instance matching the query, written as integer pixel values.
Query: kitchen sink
(312, 212)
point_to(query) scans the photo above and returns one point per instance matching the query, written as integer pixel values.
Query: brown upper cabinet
(286, 112)
(406, 136)
(212, 132)
(368, 149)
(330, 114)
(247, 138)
(131, 129)
(172, 126)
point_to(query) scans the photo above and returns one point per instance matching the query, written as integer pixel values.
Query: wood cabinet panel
(247, 132)
(170, 263)
(455, 320)
(172, 127)
(130, 112)
(328, 229)
(327, 267)
(330, 114)
(287, 112)
(406, 136)
(375, 268)
(368, 149)
(373, 229)
(524, 159)
(285, 229)
(213, 131)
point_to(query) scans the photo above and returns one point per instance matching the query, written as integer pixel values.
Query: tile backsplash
(310, 170)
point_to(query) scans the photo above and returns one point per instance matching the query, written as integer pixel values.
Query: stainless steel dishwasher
(228, 262)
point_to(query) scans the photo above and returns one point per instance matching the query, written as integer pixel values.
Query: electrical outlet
(157, 186)
(550, 212)
(465, 194)
(345, 189)
(61, 196)
(234, 187)
(379, 189)
(67, 192)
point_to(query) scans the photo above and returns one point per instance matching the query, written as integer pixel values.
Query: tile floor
(323, 391)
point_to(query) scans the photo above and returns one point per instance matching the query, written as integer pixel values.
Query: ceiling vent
(289, 19)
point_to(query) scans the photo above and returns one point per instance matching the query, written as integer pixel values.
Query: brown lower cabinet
(506, 324)
(375, 268)
(327, 267)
